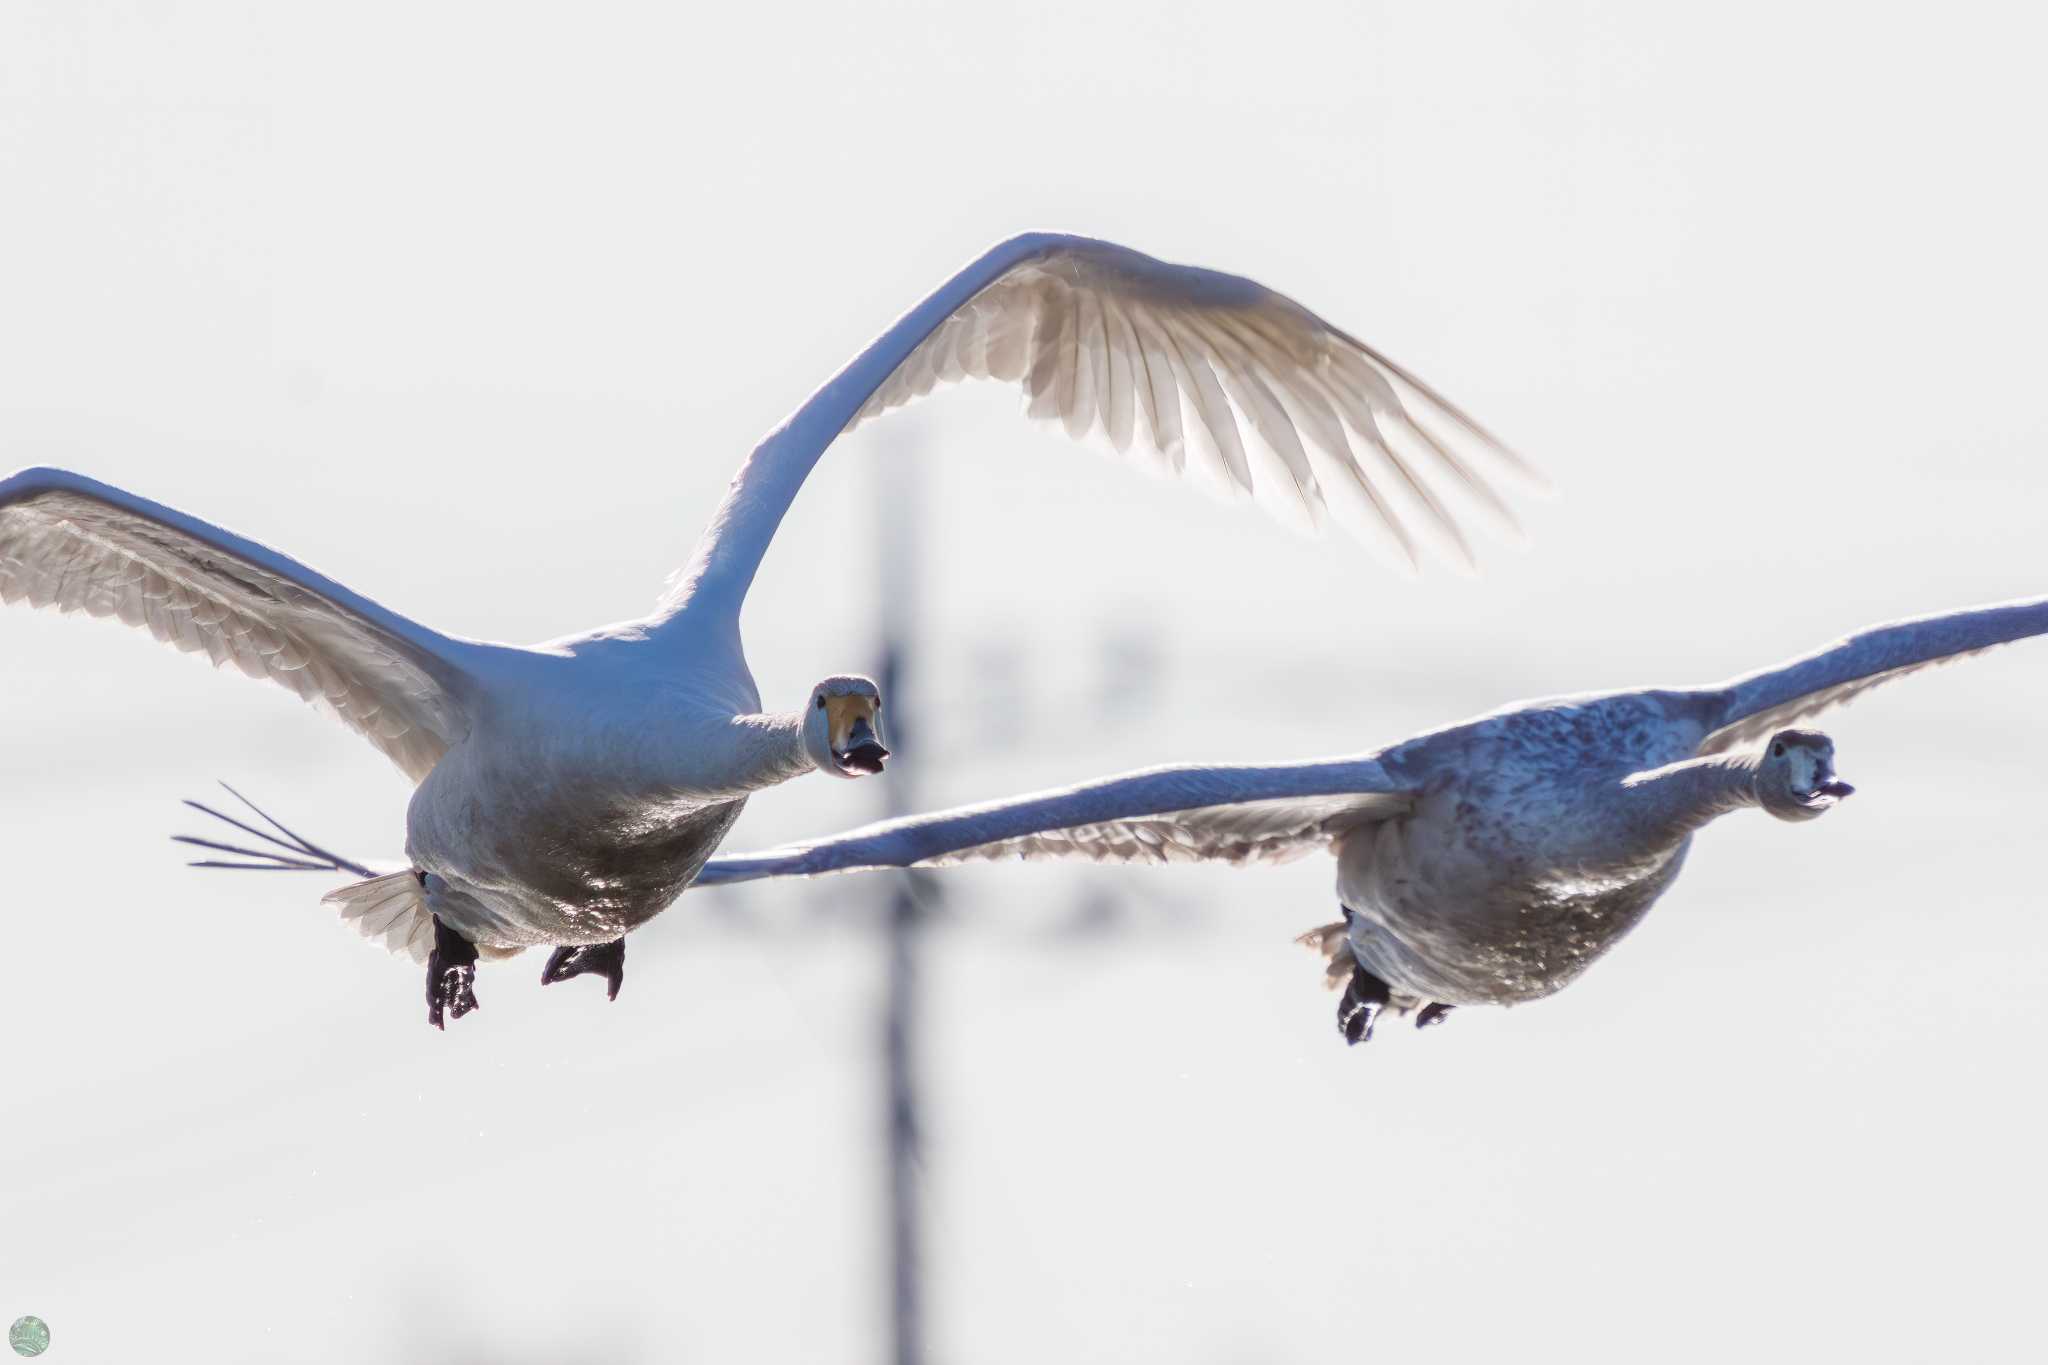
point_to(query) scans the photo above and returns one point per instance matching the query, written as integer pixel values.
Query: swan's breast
(1448, 923)
(554, 851)
(1518, 868)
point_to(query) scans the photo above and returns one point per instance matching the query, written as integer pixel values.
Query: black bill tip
(864, 758)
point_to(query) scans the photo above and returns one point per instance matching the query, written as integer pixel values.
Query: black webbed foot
(606, 959)
(1432, 1014)
(1364, 998)
(451, 975)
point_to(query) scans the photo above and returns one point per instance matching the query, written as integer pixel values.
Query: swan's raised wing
(76, 544)
(1202, 373)
(1750, 708)
(1161, 815)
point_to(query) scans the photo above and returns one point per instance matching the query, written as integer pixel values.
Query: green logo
(29, 1336)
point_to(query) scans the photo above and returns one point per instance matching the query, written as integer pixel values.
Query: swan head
(1795, 780)
(843, 727)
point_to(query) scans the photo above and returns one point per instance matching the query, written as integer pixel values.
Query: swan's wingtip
(1533, 481)
(1467, 569)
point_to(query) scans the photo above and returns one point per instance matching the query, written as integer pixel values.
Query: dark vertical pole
(898, 523)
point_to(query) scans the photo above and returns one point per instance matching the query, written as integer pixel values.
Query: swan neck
(772, 749)
(732, 759)
(1671, 802)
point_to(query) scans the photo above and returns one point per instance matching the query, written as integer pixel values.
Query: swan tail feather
(389, 908)
(1332, 941)
(300, 854)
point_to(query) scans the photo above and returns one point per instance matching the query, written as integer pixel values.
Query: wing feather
(1427, 510)
(1120, 388)
(1079, 408)
(1749, 708)
(78, 545)
(1237, 368)
(1173, 814)
(1154, 393)
(1211, 408)
(1006, 319)
(1095, 334)
(1050, 348)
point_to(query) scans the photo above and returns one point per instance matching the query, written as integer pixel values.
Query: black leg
(606, 959)
(451, 975)
(1430, 1015)
(1363, 1000)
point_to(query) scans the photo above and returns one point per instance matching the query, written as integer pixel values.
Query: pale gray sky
(476, 307)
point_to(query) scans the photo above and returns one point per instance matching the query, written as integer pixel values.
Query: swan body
(1515, 866)
(567, 792)
(536, 833)
(1488, 863)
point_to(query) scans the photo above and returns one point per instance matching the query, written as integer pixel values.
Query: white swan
(1488, 863)
(570, 791)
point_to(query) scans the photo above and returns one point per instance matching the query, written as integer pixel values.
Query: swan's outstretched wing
(1206, 374)
(1161, 815)
(1749, 708)
(76, 544)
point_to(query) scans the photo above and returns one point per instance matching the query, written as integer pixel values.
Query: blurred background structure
(899, 509)
(477, 310)
(912, 897)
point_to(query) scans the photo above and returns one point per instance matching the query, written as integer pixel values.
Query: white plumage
(571, 790)
(1220, 378)
(1483, 863)
(77, 545)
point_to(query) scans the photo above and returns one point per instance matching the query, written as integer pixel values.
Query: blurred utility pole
(897, 519)
(1129, 678)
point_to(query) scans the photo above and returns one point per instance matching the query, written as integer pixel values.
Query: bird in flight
(1486, 863)
(567, 792)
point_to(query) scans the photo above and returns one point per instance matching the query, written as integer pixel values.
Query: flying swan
(568, 792)
(1488, 863)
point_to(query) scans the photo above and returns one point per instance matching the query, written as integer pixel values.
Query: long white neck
(1666, 804)
(747, 754)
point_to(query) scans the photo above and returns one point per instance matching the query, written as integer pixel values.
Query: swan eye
(1777, 750)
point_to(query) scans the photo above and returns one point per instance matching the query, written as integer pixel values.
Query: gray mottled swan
(1488, 863)
(567, 792)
